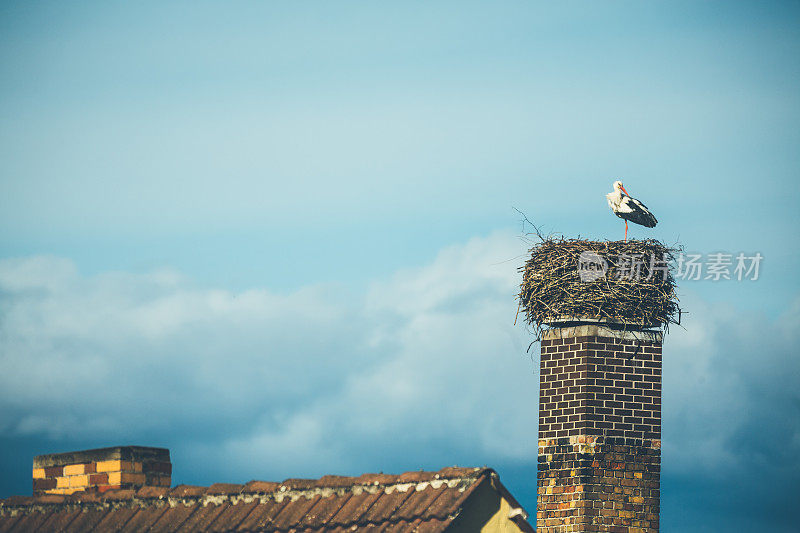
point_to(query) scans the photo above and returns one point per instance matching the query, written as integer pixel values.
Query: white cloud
(430, 353)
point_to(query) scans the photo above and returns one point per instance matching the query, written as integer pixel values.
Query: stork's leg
(626, 231)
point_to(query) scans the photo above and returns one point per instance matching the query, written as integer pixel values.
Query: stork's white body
(628, 208)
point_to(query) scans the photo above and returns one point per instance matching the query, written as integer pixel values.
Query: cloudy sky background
(279, 238)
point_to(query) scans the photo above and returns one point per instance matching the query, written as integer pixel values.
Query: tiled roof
(414, 501)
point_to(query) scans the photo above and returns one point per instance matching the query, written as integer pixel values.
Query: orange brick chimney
(599, 430)
(121, 467)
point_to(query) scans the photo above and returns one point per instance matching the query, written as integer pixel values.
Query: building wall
(487, 511)
(500, 522)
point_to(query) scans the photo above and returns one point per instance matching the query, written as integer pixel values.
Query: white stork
(628, 208)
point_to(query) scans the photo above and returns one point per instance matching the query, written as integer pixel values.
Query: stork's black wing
(638, 213)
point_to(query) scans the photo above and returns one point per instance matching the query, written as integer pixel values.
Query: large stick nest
(626, 283)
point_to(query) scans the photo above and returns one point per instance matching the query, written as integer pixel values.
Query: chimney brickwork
(599, 430)
(124, 467)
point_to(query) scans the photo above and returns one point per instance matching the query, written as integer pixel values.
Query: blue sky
(278, 238)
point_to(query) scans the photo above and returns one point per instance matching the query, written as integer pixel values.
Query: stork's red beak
(623, 190)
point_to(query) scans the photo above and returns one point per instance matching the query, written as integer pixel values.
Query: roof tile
(183, 491)
(59, 521)
(375, 479)
(143, 519)
(224, 488)
(417, 477)
(451, 500)
(7, 523)
(85, 520)
(262, 516)
(118, 495)
(300, 484)
(151, 492)
(378, 528)
(30, 522)
(233, 515)
(329, 529)
(173, 518)
(458, 471)
(85, 497)
(322, 513)
(433, 526)
(294, 511)
(386, 506)
(355, 508)
(202, 518)
(335, 482)
(116, 520)
(14, 501)
(418, 503)
(401, 527)
(260, 487)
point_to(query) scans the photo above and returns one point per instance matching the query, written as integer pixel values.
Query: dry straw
(634, 289)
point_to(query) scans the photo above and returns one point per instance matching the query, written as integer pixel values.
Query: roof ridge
(292, 488)
(428, 500)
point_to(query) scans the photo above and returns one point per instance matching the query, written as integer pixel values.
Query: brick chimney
(599, 430)
(122, 467)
